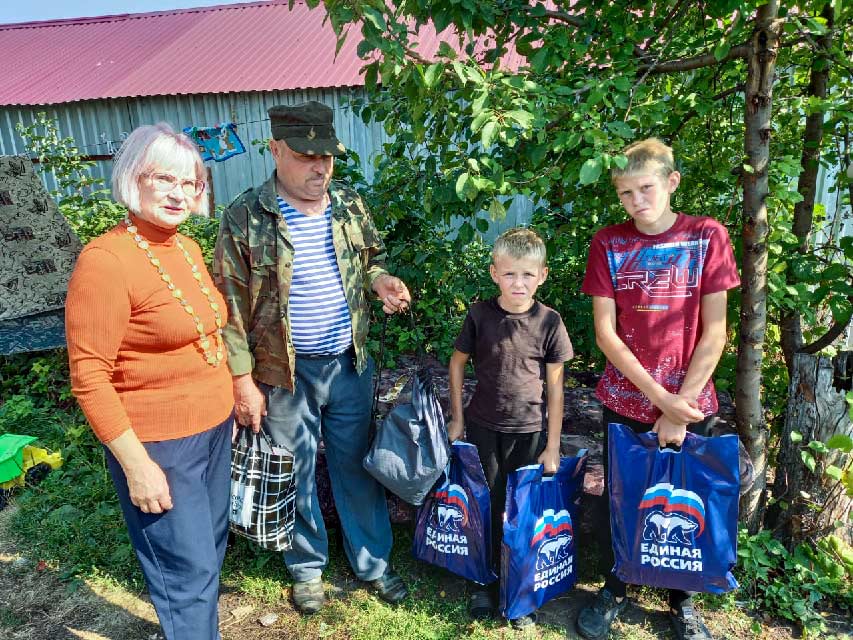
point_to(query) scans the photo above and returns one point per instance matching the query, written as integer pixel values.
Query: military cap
(306, 128)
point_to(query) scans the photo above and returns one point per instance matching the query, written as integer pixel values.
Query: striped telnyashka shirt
(319, 316)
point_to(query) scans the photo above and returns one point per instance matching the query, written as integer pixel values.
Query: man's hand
(393, 292)
(455, 429)
(680, 410)
(250, 405)
(148, 487)
(669, 431)
(550, 460)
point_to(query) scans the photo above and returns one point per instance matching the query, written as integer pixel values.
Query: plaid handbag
(263, 491)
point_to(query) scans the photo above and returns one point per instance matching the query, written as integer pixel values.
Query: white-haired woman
(148, 368)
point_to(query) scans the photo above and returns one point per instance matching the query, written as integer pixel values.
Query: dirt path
(36, 604)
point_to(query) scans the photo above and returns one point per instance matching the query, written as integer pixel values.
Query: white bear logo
(552, 551)
(668, 527)
(449, 517)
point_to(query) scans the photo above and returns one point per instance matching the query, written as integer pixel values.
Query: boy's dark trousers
(500, 454)
(612, 583)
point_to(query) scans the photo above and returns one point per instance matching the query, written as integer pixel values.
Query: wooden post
(816, 410)
(211, 199)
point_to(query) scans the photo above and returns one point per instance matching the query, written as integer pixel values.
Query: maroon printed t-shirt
(510, 351)
(657, 282)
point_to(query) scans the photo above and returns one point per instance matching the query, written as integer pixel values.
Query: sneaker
(688, 624)
(481, 605)
(524, 622)
(594, 621)
(390, 587)
(308, 596)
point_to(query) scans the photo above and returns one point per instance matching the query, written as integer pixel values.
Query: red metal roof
(260, 46)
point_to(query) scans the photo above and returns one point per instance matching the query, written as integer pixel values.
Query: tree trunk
(792, 332)
(753, 315)
(817, 410)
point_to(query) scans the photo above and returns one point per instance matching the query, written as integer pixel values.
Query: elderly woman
(148, 368)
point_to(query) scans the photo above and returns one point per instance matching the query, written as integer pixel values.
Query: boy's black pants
(614, 584)
(500, 454)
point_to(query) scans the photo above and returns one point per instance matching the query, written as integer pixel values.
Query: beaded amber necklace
(213, 359)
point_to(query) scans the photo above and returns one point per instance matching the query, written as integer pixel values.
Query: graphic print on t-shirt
(657, 284)
(667, 270)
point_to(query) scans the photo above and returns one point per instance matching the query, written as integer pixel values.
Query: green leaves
(446, 51)
(841, 442)
(621, 129)
(808, 460)
(465, 187)
(722, 50)
(480, 119)
(497, 211)
(833, 472)
(375, 18)
(590, 170)
(432, 75)
(524, 118)
(488, 133)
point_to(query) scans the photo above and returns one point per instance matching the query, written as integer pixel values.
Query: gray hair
(146, 148)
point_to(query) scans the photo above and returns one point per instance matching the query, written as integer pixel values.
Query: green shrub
(793, 585)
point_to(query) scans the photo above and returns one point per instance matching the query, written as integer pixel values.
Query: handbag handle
(652, 440)
(419, 361)
(256, 440)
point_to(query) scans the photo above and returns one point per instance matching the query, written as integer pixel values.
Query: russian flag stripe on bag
(673, 514)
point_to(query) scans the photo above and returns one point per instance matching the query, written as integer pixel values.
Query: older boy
(519, 346)
(658, 283)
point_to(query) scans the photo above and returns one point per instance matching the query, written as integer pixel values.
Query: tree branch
(696, 62)
(738, 88)
(562, 16)
(836, 330)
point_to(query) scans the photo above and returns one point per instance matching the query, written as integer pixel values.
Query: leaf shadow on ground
(36, 602)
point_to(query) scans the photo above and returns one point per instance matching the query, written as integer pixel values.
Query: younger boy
(519, 346)
(658, 284)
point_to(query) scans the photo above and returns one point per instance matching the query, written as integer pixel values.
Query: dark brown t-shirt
(510, 351)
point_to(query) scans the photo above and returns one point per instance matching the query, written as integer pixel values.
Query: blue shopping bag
(538, 549)
(453, 528)
(673, 513)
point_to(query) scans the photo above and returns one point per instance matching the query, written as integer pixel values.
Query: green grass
(435, 610)
(72, 521)
(9, 619)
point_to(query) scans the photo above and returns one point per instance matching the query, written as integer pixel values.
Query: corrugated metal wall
(98, 127)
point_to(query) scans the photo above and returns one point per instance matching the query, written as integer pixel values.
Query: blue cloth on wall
(216, 143)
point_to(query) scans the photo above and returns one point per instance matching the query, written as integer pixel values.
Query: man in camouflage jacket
(300, 393)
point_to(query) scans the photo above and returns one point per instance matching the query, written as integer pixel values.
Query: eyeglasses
(166, 182)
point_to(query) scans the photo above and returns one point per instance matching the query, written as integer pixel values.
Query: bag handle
(651, 440)
(379, 367)
(420, 358)
(255, 438)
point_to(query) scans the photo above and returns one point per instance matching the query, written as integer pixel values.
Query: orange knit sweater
(133, 351)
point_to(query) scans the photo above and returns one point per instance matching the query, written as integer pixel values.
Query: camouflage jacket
(253, 268)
